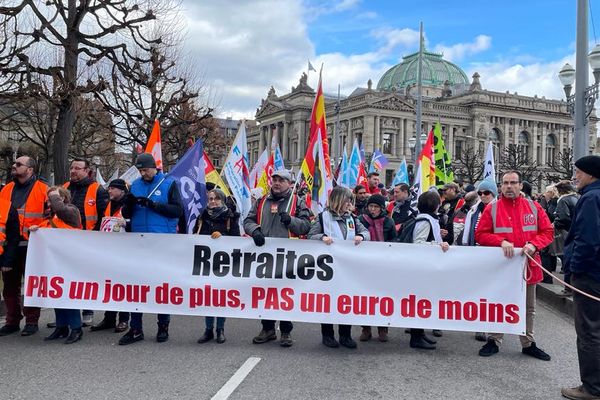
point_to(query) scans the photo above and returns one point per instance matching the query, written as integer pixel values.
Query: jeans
(269, 325)
(136, 320)
(343, 330)
(587, 326)
(67, 317)
(210, 323)
(12, 293)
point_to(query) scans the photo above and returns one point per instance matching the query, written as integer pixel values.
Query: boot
(383, 334)
(104, 324)
(207, 336)
(220, 336)
(74, 336)
(264, 336)
(58, 333)
(366, 334)
(163, 333)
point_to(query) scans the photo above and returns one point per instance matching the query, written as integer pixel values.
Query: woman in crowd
(63, 215)
(337, 223)
(216, 220)
(427, 230)
(487, 192)
(563, 217)
(381, 229)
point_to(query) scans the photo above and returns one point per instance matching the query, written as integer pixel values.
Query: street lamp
(412, 142)
(581, 104)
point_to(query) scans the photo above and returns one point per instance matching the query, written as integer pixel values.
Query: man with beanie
(280, 214)
(515, 221)
(582, 260)
(117, 189)
(153, 205)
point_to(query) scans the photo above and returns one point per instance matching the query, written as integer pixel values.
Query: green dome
(436, 71)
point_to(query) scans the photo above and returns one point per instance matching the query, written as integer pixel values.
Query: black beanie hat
(377, 199)
(118, 184)
(145, 160)
(589, 165)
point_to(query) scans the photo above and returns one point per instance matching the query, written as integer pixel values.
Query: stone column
(450, 144)
(376, 133)
(543, 160)
(285, 145)
(534, 142)
(261, 139)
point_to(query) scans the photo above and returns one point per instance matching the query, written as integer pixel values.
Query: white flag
(310, 67)
(131, 175)
(236, 172)
(258, 168)
(99, 178)
(489, 170)
(114, 176)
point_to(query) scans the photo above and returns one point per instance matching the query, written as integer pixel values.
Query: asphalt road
(97, 368)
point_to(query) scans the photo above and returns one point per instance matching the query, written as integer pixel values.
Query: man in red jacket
(516, 221)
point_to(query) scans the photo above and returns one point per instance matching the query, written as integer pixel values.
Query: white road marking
(237, 378)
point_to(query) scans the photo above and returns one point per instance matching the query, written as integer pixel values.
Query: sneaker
(207, 336)
(8, 329)
(578, 393)
(220, 336)
(480, 337)
(87, 319)
(104, 324)
(536, 352)
(347, 342)
(29, 330)
(131, 336)
(264, 336)
(419, 342)
(121, 327)
(330, 341)
(74, 336)
(366, 335)
(489, 349)
(163, 333)
(286, 340)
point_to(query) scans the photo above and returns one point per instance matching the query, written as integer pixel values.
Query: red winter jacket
(516, 222)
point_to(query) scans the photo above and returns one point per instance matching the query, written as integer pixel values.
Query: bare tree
(84, 32)
(561, 167)
(514, 158)
(469, 164)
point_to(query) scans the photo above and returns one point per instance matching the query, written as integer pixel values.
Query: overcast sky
(244, 47)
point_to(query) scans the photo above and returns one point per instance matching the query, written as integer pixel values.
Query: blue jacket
(148, 220)
(582, 245)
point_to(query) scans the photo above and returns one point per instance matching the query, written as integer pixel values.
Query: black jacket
(565, 209)
(13, 234)
(389, 228)
(226, 224)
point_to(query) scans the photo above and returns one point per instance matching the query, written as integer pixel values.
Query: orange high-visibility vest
(32, 212)
(4, 210)
(109, 213)
(56, 222)
(89, 205)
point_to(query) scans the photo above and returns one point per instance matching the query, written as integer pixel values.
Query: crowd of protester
(556, 227)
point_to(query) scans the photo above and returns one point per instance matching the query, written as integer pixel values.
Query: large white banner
(377, 284)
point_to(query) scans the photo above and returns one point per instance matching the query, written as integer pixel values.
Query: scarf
(375, 227)
(217, 212)
(332, 228)
(398, 206)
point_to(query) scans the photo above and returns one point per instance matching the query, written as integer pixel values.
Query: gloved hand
(145, 202)
(258, 237)
(285, 218)
(130, 200)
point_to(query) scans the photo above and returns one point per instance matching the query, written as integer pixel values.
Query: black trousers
(587, 326)
(269, 325)
(343, 330)
(111, 316)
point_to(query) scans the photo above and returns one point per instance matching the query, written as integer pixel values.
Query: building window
(523, 146)
(387, 143)
(550, 149)
(458, 148)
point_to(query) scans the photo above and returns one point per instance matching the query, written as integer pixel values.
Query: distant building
(218, 148)
(384, 117)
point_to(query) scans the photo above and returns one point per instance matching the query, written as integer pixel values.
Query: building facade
(384, 118)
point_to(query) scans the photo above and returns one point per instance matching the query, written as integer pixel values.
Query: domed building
(532, 134)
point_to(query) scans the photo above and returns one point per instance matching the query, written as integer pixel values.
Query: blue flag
(378, 161)
(342, 179)
(402, 174)
(189, 173)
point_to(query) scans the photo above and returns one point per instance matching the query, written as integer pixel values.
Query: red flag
(154, 145)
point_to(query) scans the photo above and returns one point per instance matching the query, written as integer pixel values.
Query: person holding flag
(280, 214)
(153, 205)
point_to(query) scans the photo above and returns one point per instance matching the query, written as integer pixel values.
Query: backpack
(405, 235)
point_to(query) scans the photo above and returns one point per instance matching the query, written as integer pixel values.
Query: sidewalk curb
(552, 295)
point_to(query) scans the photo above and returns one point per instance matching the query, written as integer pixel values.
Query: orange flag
(154, 145)
(426, 159)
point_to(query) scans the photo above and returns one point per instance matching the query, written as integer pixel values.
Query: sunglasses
(484, 192)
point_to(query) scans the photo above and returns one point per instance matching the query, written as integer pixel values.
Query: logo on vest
(157, 192)
(91, 202)
(529, 219)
